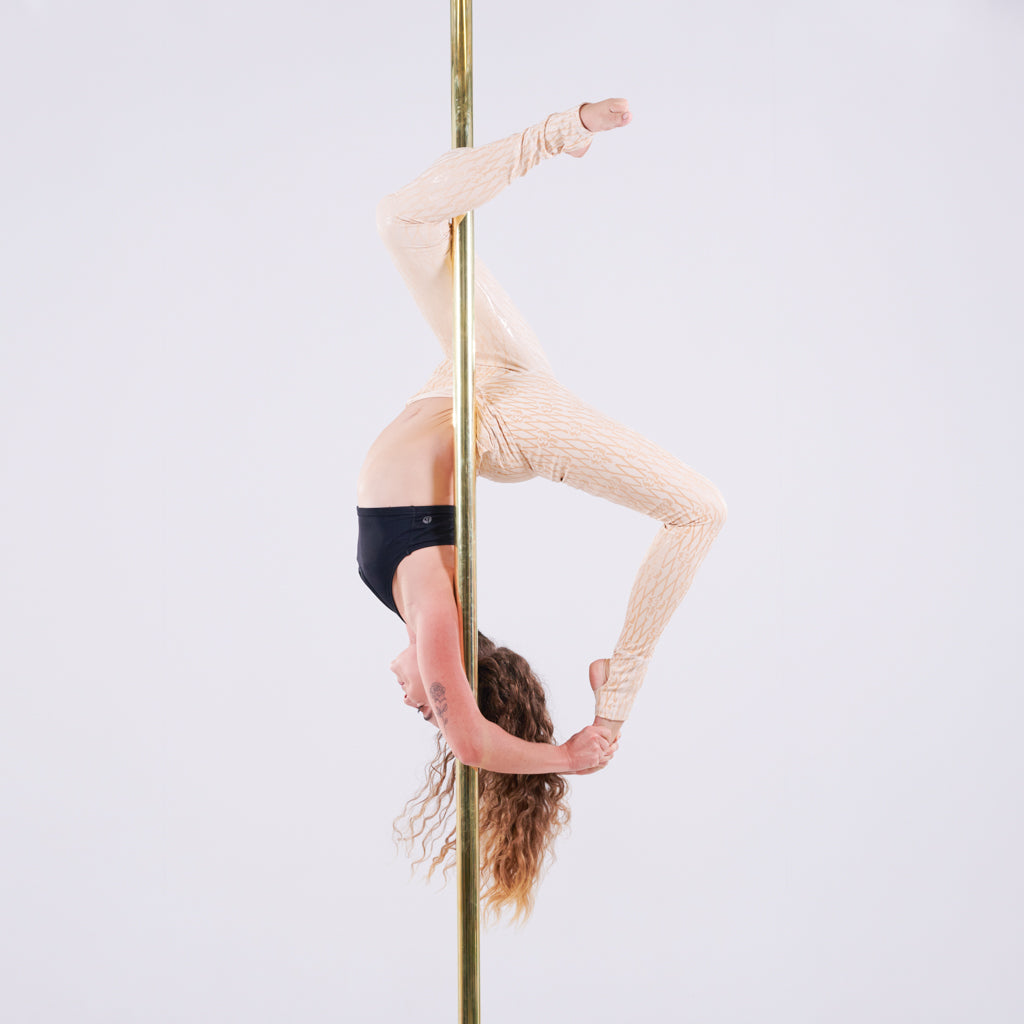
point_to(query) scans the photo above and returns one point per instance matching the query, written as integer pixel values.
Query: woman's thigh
(552, 433)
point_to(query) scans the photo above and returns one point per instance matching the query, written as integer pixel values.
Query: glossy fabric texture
(527, 423)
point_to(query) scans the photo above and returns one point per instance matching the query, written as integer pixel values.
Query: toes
(610, 113)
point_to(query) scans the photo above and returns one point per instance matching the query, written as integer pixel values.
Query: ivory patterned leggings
(527, 423)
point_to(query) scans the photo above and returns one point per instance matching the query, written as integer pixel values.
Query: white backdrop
(798, 269)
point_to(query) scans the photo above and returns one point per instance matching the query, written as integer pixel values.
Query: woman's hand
(590, 750)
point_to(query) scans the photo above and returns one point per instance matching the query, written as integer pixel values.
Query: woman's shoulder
(425, 591)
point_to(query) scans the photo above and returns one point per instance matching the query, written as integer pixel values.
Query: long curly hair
(519, 815)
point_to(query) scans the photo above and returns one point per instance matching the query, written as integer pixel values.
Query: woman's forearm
(499, 751)
(489, 746)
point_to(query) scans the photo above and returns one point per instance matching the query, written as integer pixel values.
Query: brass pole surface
(463, 262)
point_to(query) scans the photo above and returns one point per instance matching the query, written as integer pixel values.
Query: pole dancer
(528, 425)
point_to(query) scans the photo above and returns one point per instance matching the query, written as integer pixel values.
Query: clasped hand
(590, 750)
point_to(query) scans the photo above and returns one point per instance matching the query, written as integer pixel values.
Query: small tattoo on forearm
(440, 702)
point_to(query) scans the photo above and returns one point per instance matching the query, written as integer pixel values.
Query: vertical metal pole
(463, 261)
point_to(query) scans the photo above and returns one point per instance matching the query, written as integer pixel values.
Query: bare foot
(598, 677)
(603, 116)
(599, 673)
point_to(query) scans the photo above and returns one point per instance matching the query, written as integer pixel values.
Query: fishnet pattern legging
(528, 424)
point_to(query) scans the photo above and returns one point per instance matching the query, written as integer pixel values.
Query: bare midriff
(412, 460)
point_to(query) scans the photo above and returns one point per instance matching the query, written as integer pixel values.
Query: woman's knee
(388, 220)
(715, 508)
(700, 506)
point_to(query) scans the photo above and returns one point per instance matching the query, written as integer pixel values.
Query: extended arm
(472, 738)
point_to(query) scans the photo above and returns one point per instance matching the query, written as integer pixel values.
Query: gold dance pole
(463, 260)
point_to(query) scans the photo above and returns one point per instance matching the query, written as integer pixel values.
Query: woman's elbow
(467, 745)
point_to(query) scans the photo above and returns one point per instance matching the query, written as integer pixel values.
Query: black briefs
(387, 535)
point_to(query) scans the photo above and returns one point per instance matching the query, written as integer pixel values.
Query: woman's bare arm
(473, 739)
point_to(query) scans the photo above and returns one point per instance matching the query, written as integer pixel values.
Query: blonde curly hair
(520, 815)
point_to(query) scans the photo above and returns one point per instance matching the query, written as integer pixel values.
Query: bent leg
(564, 439)
(414, 223)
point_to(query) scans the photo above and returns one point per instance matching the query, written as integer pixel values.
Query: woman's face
(407, 671)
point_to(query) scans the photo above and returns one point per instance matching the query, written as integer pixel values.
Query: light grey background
(799, 269)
